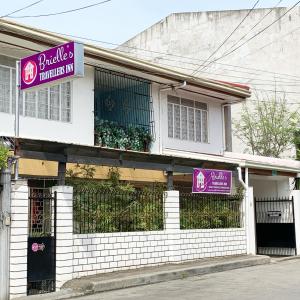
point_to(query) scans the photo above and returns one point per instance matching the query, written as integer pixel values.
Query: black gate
(275, 226)
(41, 258)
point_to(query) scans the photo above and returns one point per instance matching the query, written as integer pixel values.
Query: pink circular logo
(35, 247)
(29, 72)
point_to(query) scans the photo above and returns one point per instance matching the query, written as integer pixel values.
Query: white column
(19, 236)
(64, 234)
(296, 196)
(250, 221)
(172, 224)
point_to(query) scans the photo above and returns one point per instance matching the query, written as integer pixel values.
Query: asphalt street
(277, 281)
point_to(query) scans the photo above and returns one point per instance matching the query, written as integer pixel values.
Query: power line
(20, 9)
(255, 25)
(254, 36)
(170, 54)
(61, 12)
(229, 36)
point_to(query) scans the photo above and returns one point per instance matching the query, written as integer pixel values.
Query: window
(53, 103)
(187, 120)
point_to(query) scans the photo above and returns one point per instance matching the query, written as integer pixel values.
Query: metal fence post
(5, 210)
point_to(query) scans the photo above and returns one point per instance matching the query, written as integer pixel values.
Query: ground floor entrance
(275, 226)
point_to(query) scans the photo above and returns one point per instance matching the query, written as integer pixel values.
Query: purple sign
(57, 63)
(212, 181)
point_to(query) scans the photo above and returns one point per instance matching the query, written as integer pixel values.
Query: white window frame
(188, 131)
(22, 113)
(11, 88)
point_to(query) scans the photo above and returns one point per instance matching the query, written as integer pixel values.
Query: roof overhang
(48, 39)
(264, 163)
(95, 155)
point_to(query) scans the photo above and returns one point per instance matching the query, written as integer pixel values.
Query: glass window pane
(30, 104)
(43, 104)
(184, 126)
(177, 121)
(173, 99)
(186, 102)
(198, 125)
(14, 95)
(201, 105)
(191, 120)
(66, 102)
(170, 120)
(4, 89)
(204, 127)
(54, 103)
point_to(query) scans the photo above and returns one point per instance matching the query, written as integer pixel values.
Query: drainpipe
(174, 87)
(240, 177)
(224, 128)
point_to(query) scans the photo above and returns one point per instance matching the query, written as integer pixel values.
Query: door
(275, 226)
(41, 258)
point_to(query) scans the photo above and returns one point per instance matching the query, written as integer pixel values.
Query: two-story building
(120, 103)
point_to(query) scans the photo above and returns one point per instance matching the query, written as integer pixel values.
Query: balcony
(123, 111)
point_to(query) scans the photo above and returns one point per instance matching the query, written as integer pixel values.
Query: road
(277, 281)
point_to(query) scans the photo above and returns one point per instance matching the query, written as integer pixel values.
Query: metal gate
(41, 258)
(275, 226)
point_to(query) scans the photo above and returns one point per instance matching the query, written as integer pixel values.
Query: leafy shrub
(4, 154)
(112, 135)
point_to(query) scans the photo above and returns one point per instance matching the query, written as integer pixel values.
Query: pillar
(18, 238)
(296, 196)
(64, 234)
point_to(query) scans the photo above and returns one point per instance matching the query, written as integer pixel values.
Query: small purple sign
(212, 181)
(57, 63)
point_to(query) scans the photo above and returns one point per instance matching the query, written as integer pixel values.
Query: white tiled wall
(100, 253)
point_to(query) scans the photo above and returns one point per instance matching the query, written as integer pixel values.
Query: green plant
(4, 154)
(112, 135)
(267, 127)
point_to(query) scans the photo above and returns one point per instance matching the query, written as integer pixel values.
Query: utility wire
(20, 9)
(61, 12)
(255, 25)
(173, 55)
(229, 36)
(254, 36)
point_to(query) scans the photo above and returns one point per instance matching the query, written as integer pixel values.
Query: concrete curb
(133, 281)
(90, 286)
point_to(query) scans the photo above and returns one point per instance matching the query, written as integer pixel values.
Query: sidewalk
(149, 275)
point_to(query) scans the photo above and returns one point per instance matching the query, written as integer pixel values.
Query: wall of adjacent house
(80, 130)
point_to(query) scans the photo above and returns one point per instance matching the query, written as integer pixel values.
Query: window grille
(187, 120)
(52, 103)
(123, 99)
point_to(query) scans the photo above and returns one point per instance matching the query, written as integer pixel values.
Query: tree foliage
(267, 127)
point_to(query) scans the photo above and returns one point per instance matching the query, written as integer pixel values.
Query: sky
(118, 20)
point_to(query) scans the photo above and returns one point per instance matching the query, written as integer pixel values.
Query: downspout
(174, 88)
(240, 177)
(224, 125)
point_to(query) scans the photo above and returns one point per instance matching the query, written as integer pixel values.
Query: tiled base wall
(100, 253)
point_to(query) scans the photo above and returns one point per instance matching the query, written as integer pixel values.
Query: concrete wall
(197, 34)
(270, 187)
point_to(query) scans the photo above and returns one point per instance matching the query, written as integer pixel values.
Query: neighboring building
(196, 35)
(178, 113)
